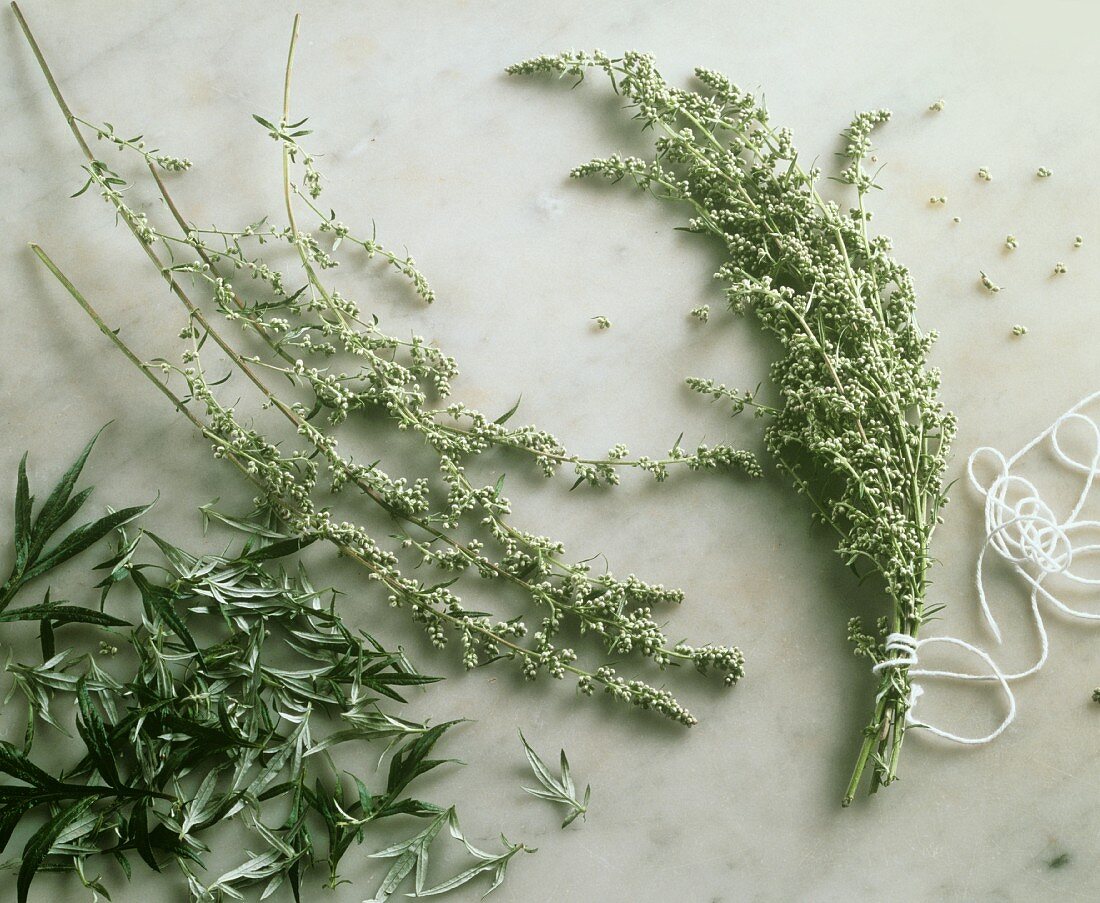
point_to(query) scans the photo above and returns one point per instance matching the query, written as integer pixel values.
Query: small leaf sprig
(33, 532)
(239, 729)
(859, 428)
(464, 529)
(414, 853)
(559, 790)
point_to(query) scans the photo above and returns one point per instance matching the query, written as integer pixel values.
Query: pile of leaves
(225, 704)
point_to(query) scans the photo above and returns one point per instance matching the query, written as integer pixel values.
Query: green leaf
(124, 864)
(139, 833)
(542, 772)
(10, 816)
(38, 847)
(46, 639)
(161, 602)
(507, 415)
(556, 790)
(178, 558)
(24, 501)
(411, 761)
(280, 549)
(489, 863)
(581, 810)
(82, 538)
(458, 880)
(56, 510)
(14, 762)
(410, 853)
(209, 512)
(94, 733)
(59, 613)
(397, 873)
(566, 780)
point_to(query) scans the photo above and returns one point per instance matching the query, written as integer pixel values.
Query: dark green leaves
(38, 847)
(58, 613)
(213, 725)
(411, 760)
(93, 731)
(556, 790)
(14, 762)
(507, 415)
(31, 535)
(160, 603)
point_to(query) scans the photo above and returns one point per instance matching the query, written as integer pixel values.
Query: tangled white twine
(1029, 535)
(1024, 530)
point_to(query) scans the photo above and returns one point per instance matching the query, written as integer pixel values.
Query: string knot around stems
(1024, 530)
(909, 647)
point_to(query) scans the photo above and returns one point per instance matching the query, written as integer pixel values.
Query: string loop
(1024, 530)
(909, 647)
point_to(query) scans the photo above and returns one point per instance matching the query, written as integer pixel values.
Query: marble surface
(424, 134)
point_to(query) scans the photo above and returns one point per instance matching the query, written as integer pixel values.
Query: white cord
(909, 647)
(1024, 530)
(1027, 533)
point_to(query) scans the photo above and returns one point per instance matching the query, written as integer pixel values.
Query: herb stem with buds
(859, 429)
(619, 612)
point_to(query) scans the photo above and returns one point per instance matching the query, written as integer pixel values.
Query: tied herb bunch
(341, 366)
(858, 427)
(234, 701)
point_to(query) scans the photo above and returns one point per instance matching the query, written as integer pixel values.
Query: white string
(1024, 530)
(909, 647)
(1028, 534)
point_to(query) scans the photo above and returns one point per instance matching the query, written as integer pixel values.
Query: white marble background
(423, 133)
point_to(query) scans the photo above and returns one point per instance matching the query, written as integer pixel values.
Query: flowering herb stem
(317, 320)
(859, 428)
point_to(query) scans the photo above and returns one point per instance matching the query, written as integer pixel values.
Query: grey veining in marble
(424, 134)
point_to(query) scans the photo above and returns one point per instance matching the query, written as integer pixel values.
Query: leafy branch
(33, 532)
(559, 790)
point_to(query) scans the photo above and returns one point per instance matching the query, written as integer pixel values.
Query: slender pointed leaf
(161, 601)
(24, 502)
(53, 512)
(82, 538)
(38, 847)
(14, 762)
(94, 733)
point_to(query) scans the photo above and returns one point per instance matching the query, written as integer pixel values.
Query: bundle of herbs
(227, 705)
(858, 427)
(340, 365)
